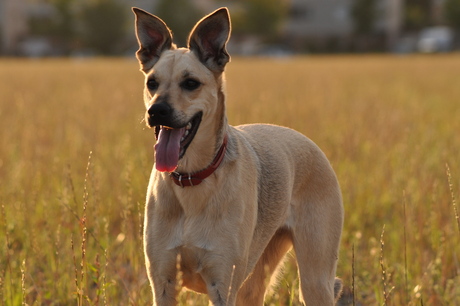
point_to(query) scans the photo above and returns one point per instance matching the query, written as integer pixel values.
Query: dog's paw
(337, 288)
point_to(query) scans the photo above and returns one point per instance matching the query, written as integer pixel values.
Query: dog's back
(288, 156)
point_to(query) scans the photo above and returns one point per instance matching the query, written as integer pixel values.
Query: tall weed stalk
(454, 203)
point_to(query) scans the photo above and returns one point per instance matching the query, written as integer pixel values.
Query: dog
(224, 203)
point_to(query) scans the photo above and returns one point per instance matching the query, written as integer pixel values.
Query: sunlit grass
(75, 161)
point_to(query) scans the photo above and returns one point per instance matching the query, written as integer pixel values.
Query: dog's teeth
(189, 126)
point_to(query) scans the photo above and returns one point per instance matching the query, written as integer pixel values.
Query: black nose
(159, 114)
(160, 110)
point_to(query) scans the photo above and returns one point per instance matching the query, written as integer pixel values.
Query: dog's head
(182, 85)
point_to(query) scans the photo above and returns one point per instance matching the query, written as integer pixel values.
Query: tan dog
(225, 203)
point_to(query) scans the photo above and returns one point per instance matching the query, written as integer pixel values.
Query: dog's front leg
(163, 277)
(161, 237)
(223, 280)
(223, 284)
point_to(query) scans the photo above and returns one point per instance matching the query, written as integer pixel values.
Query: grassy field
(75, 160)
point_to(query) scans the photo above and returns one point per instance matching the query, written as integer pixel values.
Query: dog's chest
(191, 236)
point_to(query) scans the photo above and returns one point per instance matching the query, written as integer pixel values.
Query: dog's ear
(153, 36)
(209, 38)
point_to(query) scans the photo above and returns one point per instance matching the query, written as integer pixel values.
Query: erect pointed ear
(208, 39)
(153, 36)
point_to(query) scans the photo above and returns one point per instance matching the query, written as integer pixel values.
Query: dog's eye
(190, 84)
(152, 84)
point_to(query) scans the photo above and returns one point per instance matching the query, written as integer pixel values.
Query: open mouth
(172, 143)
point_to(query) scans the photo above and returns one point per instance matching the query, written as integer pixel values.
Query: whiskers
(142, 121)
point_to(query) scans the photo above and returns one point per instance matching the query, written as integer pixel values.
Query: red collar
(187, 179)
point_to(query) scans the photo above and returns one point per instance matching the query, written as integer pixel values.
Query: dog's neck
(202, 152)
(194, 179)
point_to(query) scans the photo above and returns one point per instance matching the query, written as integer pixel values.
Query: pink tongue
(167, 149)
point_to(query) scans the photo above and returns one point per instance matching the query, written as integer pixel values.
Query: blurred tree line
(417, 14)
(101, 26)
(452, 13)
(92, 25)
(261, 18)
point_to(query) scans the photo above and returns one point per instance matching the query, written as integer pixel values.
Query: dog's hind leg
(317, 273)
(253, 290)
(316, 238)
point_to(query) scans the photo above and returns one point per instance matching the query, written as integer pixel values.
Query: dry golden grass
(75, 160)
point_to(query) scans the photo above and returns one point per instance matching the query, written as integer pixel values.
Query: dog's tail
(337, 289)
